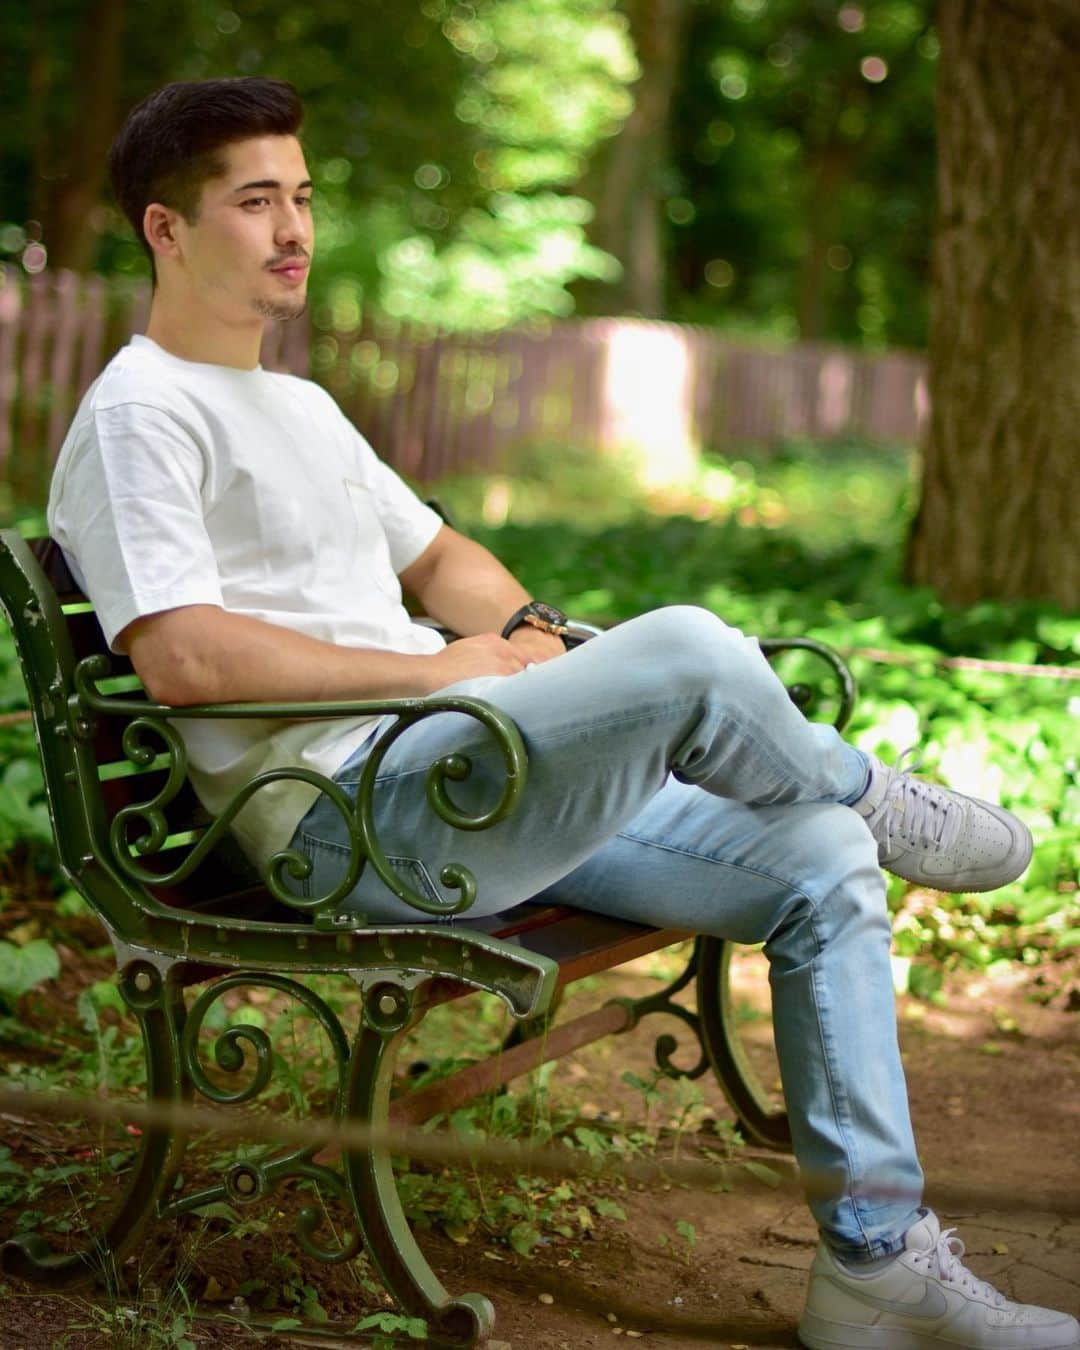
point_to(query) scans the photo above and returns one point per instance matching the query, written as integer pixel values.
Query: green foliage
(684, 1242)
(527, 1211)
(391, 1325)
(21, 968)
(451, 146)
(546, 483)
(25, 829)
(802, 190)
(124, 1326)
(24, 815)
(809, 543)
(444, 139)
(543, 82)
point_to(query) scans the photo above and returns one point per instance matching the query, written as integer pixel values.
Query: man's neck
(202, 337)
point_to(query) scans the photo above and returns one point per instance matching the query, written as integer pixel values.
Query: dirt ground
(994, 1080)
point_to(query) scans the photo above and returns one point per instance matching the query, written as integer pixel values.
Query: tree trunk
(629, 181)
(998, 515)
(70, 225)
(829, 169)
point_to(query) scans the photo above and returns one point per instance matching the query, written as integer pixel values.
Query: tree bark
(70, 225)
(1001, 485)
(829, 168)
(629, 181)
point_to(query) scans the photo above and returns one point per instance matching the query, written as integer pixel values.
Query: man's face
(250, 248)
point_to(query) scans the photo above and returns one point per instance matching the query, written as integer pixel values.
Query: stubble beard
(280, 310)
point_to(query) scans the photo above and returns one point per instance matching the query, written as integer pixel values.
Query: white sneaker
(938, 838)
(923, 1300)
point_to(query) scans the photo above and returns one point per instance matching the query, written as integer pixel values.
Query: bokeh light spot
(337, 170)
(721, 132)
(35, 258)
(12, 238)
(681, 210)
(874, 69)
(719, 273)
(429, 176)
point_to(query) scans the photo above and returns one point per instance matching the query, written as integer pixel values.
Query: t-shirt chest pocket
(371, 546)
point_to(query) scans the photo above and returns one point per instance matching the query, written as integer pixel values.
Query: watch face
(548, 612)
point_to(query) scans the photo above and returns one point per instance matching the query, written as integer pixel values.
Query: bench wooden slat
(51, 559)
(87, 639)
(580, 942)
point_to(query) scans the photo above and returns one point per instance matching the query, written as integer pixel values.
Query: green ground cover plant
(808, 541)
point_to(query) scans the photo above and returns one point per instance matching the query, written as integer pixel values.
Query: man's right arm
(205, 654)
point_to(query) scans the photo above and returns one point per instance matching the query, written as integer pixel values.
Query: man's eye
(255, 201)
(303, 201)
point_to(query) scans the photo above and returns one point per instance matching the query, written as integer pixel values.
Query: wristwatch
(538, 615)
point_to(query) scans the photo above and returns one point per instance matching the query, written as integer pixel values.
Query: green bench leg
(388, 1015)
(761, 1123)
(158, 1005)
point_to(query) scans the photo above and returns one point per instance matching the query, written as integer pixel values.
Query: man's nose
(293, 225)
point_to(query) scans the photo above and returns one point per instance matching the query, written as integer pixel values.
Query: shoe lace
(946, 1256)
(915, 811)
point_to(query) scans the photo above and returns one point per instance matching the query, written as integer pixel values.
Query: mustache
(300, 256)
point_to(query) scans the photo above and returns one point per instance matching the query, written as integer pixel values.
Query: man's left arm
(465, 587)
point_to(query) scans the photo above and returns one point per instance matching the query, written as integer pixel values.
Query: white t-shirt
(181, 483)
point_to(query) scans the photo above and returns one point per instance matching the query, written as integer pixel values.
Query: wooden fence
(433, 404)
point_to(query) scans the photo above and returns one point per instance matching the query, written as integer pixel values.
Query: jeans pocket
(413, 871)
(329, 861)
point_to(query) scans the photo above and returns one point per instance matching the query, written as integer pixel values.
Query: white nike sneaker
(939, 838)
(923, 1300)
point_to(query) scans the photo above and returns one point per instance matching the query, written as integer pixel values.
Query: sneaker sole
(817, 1333)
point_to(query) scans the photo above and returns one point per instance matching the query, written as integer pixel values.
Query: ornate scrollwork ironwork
(804, 696)
(253, 1178)
(148, 719)
(456, 768)
(663, 1001)
(228, 1050)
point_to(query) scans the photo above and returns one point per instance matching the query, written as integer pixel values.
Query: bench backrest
(89, 776)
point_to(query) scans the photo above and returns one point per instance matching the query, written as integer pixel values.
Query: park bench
(183, 908)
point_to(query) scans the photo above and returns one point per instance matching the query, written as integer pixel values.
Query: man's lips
(291, 271)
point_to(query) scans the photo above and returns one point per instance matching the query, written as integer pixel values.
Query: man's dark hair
(170, 144)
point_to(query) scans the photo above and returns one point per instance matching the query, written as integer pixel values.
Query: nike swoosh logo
(933, 1303)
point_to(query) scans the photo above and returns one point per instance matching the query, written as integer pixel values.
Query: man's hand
(467, 658)
(533, 644)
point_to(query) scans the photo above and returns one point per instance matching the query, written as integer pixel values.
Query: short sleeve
(129, 514)
(409, 524)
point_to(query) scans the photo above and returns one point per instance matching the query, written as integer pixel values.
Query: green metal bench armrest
(145, 718)
(801, 695)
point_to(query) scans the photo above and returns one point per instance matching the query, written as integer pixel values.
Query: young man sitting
(241, 541)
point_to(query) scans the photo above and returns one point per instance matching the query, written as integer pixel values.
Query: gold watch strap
(535, 621)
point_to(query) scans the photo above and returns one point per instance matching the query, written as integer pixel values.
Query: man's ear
(159, 227)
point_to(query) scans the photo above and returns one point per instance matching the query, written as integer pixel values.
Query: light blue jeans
(672, 782)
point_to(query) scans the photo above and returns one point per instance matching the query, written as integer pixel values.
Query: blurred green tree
(777, 171)
(1001, 481)
(71, 71)
(630, 180)
(802, 177)
(443, 136)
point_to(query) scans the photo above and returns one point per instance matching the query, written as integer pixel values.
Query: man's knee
(694, 646)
